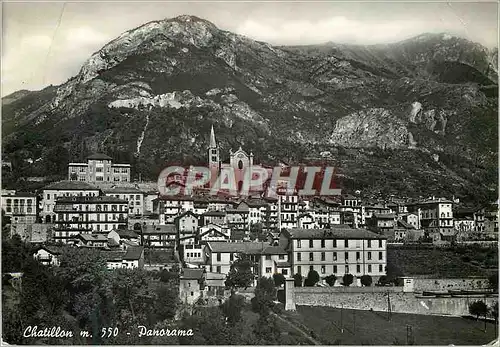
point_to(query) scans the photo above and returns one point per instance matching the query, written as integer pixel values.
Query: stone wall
(377, 301)
(445, 284)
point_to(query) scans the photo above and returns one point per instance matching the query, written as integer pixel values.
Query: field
(440, 262)
(374, 328)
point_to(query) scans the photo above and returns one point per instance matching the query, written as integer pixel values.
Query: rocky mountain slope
(416, 117)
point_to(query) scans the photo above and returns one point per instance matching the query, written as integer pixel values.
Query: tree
(366, 280)
(312, 278)
(279, 280)
(265, 294)
(240, 274)
(330, 280)
(232, 307)
(347, 280)
(297, 280)
(493, 281)
(478, 308)
(494, 311)
(383, 280)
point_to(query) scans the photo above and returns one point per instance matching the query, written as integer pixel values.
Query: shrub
(279, 280)
(478, 308)
(366, 280)
(383, 280)
(312, 278)
(297, 280)
(330, 280)
(347, 280)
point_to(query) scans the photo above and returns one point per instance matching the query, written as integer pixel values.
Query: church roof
(213, 143)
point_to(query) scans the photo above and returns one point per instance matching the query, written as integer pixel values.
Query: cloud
(84, 36)
(337, 29)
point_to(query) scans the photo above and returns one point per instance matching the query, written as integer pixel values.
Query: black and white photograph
(250, 173)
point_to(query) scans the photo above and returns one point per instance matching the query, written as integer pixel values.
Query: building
(99, 168)
(192, 284)
(159, 236)
(88, 214)
(22, 208)
(134, 196)
(214, 232)
(48, 255)
(436, 217)
(274, 260)
(335, 251)
(91, 240)
(132, 258)
(63, 189)
(220, 255)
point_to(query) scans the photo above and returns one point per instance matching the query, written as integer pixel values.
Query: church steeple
(213, 143)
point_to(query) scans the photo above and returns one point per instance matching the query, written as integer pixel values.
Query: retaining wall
(427, 284)
(400, 302)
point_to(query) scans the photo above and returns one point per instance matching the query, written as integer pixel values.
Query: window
(311, 256)
(347, 269)
(299, 270)
(98, 169)
(299, 257)
(231, 257)
(48, 196)
(281, 256)
(369, 268)
(358, 268)
(298, 243)
(334, 243)
(311, 268)
(311, 244)
(268, 270)
(322, 256)
(380, 268)
(380, 255)
(219, 256)
(322, 243)
(358, 256)
(369, 243)
(284, 272)
(334, 256)
(137, 197)
(346, 256)
(369, 255)
(268, 257)
(346, 243)
(218, 269)
(323, 269)
(334, 269)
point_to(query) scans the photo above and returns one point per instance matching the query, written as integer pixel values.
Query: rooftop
(99, 156)
(70, 185)
(160, 229)
(192, 274)
(238, 247)
(335, 233)
(133, 253)
(90, 199)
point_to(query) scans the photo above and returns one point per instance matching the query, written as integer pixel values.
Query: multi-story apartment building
(436, 217)
(85, 214)
(335, 251)
(174, 206)
(288, 206)
(63, 189)
(22, 208)
(273, 260)
(237, 218)
(134, 196)
(99, 168)
(220, 255)
(352, 212)
(159, 236)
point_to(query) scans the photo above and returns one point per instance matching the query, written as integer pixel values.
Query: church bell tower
(213, 157)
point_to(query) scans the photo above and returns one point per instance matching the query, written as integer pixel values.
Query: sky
(46, 43)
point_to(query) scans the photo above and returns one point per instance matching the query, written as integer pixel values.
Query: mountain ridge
(168, 84)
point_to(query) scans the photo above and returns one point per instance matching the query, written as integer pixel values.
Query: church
(240, 161)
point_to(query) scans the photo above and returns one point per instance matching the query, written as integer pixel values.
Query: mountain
(417, 117)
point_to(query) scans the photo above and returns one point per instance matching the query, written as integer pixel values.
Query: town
(216, 242)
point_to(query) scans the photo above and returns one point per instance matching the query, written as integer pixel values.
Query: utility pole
(341, 325)
(389, 305)
(354, 320)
